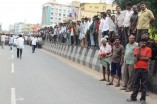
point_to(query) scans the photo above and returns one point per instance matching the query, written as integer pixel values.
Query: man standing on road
(3, 40)
(11, 42)
(129, 60)
(34, 42)
(145, 18)
(20, 46)
(117, 61)
(142, 54)
(105, 53)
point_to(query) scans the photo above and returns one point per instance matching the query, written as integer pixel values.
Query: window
(64, 15)
(82, 8)
(90, 6)
(51, 17)
(104, 8)
(60, 10)
(52, 13)
(59, 18)
(96, 7)
(59, 14)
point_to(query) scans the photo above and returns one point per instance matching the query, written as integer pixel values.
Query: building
(11, 29)
(54, 13)
(91, 9)
(22, 28)
(18, 28)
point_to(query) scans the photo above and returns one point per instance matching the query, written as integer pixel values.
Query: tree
(151, 4)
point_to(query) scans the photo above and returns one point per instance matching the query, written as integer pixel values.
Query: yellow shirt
(144, 18)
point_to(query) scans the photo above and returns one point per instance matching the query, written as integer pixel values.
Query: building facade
(91, 9)
(22, 28)
(54, 13)
(18, 28)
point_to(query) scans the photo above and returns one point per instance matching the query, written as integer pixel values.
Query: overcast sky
(12, 11)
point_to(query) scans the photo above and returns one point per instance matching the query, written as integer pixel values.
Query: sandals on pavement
(103, 80)
(128, 90)
(109, 83)
(117, 85)
(123, 88)
(131, 100)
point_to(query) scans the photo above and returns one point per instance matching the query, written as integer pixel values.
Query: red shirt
(145, 52)
(97, 25)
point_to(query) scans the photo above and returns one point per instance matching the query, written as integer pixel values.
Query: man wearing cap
(142, 54)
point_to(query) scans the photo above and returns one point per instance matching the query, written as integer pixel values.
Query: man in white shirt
(20, 46)
(72, 34)
(85, 31)
(34, 42)
(111, 22)
(119, 21)
(26, 38)
(104, 25)
(81, 32)
(126, 23)
(56, 33)
(64, 33)
(3, 40)
(105, 53)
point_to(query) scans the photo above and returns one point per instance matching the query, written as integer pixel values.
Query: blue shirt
(11, 40)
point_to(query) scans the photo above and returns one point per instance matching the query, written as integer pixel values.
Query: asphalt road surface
(39, 78)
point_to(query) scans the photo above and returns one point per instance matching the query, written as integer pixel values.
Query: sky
(29, 11)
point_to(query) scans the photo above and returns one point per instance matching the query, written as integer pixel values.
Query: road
(40, 78)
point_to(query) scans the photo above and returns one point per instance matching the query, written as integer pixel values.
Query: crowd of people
(132, 50)
(122, 39)
(88, 32)
(19, 40)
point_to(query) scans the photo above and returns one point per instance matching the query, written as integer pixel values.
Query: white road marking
(12, 56)
(20, 99)
(12, 51)
(13, 96)
(12, 68)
